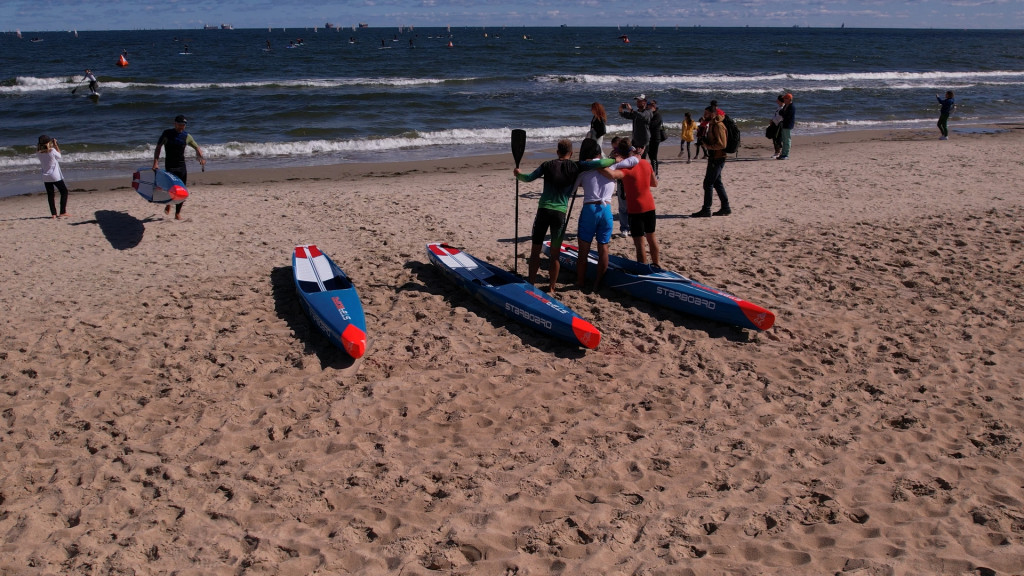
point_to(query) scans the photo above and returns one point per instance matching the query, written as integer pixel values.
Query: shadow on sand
(121, 229)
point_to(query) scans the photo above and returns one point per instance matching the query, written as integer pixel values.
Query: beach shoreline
(536, 150)
(169, 408)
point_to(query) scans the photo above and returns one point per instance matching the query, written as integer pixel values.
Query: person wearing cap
(641, 118)
(714, 142)
(48, 153)
(788, 122)
(175, 140)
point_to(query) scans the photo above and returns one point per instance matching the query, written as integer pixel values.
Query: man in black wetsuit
(175, 139)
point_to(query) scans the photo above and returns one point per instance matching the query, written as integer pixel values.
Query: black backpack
(732, 139)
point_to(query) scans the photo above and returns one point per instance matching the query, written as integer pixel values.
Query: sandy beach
(168, 409)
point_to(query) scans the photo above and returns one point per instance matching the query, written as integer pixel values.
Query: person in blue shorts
(596, 215)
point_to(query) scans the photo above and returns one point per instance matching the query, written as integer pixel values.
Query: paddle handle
(518, 148)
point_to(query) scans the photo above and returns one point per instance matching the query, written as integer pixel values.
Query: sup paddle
(75, 89)
(518, 147)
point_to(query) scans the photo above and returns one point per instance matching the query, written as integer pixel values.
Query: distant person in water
(175, 140)
(93, 84)
(945, 110)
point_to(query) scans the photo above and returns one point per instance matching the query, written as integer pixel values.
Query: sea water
(389, 94)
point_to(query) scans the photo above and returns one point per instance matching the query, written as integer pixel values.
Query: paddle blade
(518, 145)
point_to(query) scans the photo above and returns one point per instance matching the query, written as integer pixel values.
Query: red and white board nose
(585, 332)
(354, 341)
(177, 193)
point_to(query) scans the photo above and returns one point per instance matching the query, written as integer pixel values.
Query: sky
(45, 15)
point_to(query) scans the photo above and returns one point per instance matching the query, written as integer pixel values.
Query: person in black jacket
(656, 126)
(598, 125)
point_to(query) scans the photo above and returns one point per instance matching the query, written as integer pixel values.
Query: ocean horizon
(314, 96)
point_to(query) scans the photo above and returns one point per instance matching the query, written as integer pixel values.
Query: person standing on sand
(559, 182)
(788, 123)
(946, 109)
(777, 122)
(657, 126)
(598, 125)
(686, 136)
(48, 153)
(638, 181)
(641, 117)
(175, 140)
(596, 215)
(714, 143)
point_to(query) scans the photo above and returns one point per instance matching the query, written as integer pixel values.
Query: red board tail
(354, 341)
(763, 319)
(585, 332)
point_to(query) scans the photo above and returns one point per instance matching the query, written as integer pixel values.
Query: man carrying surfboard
(175, 140)
(559, 183)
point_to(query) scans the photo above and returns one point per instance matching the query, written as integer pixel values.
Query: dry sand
(168, 409)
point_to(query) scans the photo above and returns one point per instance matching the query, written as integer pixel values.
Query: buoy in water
(450, 45)
(122, 61)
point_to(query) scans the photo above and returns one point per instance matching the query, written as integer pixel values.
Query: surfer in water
(93, 84)
(175, 140)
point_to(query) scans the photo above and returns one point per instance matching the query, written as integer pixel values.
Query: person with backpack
(788, 122)
(716, 141)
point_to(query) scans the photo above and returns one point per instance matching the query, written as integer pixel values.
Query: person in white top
(48, 153)
(93, 84)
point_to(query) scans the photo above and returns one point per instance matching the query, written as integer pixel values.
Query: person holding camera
(48, 153)
(641, 117)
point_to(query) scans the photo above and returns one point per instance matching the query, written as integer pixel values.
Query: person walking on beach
(641, 117)
(93, 84)
(788, 122)
(714, 142)
(175, 140)
(598, 125)
(559, 182)
(48, 153)
(657, 126)
(945, 110)
(702, 132)
(638, 181)
(686, 137)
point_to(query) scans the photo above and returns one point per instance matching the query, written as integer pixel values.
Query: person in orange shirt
(638, 181)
